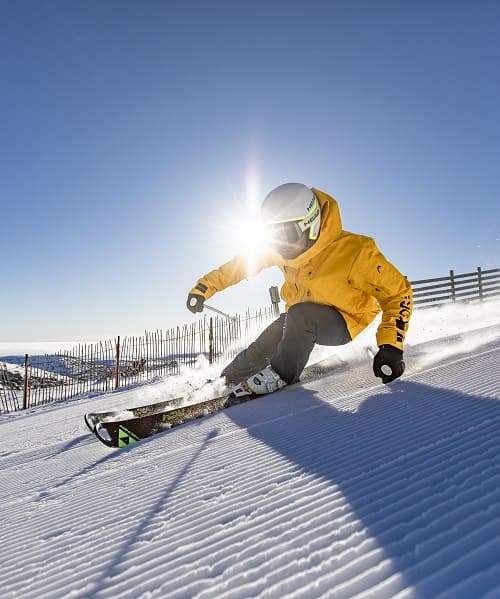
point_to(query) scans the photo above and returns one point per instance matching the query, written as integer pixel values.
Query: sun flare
(246, 234)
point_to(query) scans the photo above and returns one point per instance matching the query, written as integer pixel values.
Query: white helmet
(291, 209)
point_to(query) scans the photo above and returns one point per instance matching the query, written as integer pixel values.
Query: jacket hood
(330, 229)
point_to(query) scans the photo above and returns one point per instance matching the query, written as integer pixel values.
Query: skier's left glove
(388, 364)
(196, 298)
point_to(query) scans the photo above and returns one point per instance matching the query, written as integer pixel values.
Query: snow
(337, 487)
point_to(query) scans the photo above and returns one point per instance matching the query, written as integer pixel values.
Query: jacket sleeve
(230, 273)
(375, 275)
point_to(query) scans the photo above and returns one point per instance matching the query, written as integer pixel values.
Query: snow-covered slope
(339, 487)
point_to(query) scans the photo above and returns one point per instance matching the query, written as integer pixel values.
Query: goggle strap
(304, 222)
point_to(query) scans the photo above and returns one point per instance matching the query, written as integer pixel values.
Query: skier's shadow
(418, 465)
(145, 525)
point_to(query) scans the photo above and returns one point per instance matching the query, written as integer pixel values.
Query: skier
(336, 282)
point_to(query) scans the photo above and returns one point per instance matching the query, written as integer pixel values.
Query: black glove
(388, 364)
(195, 302)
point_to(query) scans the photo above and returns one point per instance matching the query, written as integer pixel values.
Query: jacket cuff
(388, 337)
(201, 289)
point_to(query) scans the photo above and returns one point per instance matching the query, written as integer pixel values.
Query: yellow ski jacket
(342, 269)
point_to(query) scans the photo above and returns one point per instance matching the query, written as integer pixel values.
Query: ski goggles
(284, 233)
(290, 231)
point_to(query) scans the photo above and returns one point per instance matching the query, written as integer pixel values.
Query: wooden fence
(96, 368)
(479, 284)
(8, 395)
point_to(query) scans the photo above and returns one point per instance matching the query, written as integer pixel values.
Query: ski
(92, 419)
(125, 432)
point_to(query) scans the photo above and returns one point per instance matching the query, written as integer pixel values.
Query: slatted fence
(8, 386)
(95, 368)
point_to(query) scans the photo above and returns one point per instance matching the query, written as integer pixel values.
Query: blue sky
(137, 136)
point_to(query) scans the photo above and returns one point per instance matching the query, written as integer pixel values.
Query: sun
(246, 234)
(246, 237)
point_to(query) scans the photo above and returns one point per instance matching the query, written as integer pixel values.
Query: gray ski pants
(287, 342)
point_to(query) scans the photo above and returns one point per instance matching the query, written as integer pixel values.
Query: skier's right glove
(196, 299)
(388, 364)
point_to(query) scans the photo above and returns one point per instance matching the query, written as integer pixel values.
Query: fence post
(480, 282)
(26, 393)
(117, 363)
(452, 285)
(211, 341)
(275, 299)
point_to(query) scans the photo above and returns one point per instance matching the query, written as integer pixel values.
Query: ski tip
(102, 433)
(91, 421)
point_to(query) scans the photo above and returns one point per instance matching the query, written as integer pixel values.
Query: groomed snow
(339, 487)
